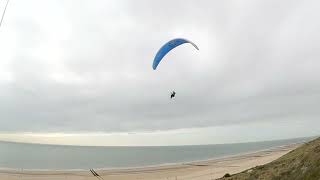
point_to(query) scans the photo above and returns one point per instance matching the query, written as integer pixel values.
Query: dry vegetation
(301, 163)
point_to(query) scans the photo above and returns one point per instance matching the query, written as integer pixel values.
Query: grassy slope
(301, 163)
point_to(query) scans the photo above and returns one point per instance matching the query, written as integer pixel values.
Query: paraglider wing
(167, 48)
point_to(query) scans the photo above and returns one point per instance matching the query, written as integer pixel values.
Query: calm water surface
(36, 156)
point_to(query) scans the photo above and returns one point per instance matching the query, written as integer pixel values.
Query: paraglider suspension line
(5, 8)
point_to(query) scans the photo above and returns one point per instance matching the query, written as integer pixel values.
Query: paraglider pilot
(173, 94)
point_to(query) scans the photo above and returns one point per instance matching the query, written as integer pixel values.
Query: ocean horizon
(15, 155)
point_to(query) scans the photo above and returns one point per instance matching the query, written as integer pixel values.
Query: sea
(58, 157)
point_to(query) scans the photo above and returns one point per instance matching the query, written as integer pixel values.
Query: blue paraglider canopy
(167, 48)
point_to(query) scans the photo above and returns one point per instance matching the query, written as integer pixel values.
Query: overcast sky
(86, 66)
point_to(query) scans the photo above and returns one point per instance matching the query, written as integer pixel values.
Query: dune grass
(301, 163)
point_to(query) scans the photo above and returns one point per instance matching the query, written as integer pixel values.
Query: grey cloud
(258, 61)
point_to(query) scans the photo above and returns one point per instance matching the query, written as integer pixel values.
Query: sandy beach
(201, 170)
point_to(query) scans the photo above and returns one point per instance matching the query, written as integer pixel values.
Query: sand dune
(302, 163)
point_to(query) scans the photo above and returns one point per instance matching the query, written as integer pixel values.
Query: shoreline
(159, 165)
(211, 168)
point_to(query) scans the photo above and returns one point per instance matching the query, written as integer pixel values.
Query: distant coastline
(49, 144)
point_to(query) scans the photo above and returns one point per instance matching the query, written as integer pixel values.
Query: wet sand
(201, 170)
